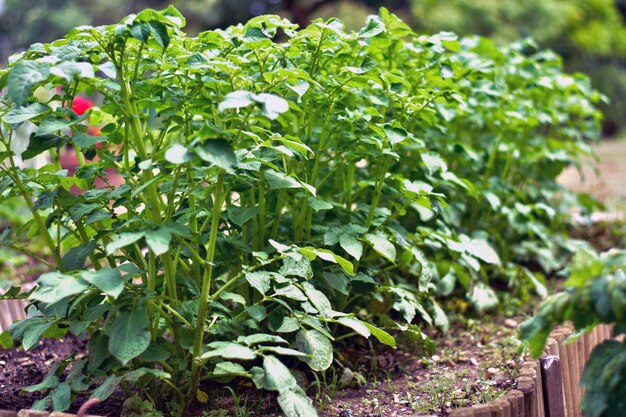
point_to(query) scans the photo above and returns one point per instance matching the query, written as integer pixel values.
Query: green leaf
(277, 376)
(124, 239)
(229, 369)
(22, 77)
(319, 204)
(140, 31)
(53, 287)
(108, 280)
(229, 350)
(159, 31)
(382, 336)
(53, 124)
(278, 180)
(482, 297)
(158, 240)
(236, 100)
(6, 341)
(39, 144)
(70, 70)
(318, 299)
(382, 246)
(295, 403)
(61, 397)
(272, 105)
(217, 152)
(130, 335)
(351, 245)
(22, 114)
(76, 257)
(317, 346)
(178, 154)
(259, 280)
(241, 215)
(356, 325)
(373, 27)
(107, 387)
(83, 140)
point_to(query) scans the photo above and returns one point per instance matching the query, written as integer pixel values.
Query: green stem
(205, 291)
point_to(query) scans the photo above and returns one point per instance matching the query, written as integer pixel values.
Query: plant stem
(205, 291)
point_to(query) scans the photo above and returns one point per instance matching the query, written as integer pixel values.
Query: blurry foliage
(589, 34)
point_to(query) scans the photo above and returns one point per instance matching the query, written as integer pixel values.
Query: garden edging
(560, 367)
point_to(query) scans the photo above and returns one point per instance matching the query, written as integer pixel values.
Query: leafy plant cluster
(595, 294)
(284, 190)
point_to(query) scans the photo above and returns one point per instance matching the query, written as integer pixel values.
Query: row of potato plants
(285, 190)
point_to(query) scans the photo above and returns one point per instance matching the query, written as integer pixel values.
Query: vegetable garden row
(285, 192)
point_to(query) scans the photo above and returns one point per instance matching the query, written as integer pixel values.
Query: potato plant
(284, 190)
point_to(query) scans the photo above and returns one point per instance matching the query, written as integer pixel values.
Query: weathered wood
(526, 385)
(552, 386)
(516, 399)
(578, 363)
(6, 413)
(539, 390)
(33, 413)
(5, 316)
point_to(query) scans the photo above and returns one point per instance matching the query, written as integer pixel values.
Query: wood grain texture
(552, 386)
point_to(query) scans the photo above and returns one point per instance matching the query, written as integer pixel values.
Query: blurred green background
(589, 34)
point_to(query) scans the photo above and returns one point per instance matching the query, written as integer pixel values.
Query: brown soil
(20, 369)
(473, 363)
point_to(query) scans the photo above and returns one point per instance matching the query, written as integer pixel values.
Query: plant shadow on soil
(475, 362)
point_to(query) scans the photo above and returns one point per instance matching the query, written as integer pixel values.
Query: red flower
(81, 105)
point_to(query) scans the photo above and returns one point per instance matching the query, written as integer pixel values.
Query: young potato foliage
(281, 188)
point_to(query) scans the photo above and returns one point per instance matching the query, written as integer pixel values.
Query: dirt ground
(608, 183)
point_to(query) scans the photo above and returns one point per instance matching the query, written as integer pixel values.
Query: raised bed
(547, 387)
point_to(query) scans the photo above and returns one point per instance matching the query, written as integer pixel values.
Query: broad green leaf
(259, 280)
(319, 204)
(257, 338)
(272, 105)
(158, 240)
(229, 350)
(277, 376)
(382, 336)
(317, 346)
(6, 341)
(373, 27)
(278, 180)
(124, 239)
(61, 397)
(178, 154)
(159, 31)
(76, 257)
(217, 152)
(229, 368)
(236, 100)
(356, 325)
(318, 299)
(23, 77)
(108, 280)
(70, 70)
(382, 246)
(53, 124)
(83, 140)
(22, 114)
(351, 245)
(295, 403)
(241, 215)
(53, 287)
(482, 297)
(130, 335)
